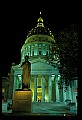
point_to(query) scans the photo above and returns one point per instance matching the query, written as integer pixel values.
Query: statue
(26, 73)
(22, 101)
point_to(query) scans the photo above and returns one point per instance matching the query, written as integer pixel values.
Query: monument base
(22, 101)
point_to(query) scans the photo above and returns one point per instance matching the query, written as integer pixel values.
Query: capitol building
(44, 77)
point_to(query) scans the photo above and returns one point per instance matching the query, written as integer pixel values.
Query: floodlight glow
(19, 75)
(53, 75)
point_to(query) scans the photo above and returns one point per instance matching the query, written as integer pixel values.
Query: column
(14, 86)
(57, 90)
(61, 92)
(64, 92)
(30, 50)
(67, 93)
(75, 85)
(70, 93)
(17, 83)
(35, 88)
(38, 50)
(11, 85)
(50, 88)
(20, 82)
(41, 50)
(43, 88)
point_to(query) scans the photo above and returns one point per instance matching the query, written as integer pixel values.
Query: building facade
(45, 80)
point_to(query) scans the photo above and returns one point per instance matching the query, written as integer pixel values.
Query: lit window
(35, 44)
(32, 47)
(39, 46)
(54, 56)
(44, 49)
(43, 44)
(53, 75)
(28, 47)
(3, 90)
(36, 49)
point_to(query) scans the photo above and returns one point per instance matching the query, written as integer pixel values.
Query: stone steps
(49, 107)
(46, 108)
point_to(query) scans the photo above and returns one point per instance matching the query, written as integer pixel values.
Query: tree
(67, 41)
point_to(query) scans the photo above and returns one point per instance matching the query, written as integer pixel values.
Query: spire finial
(40, 12)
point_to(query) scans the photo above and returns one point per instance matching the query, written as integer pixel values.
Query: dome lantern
(40, 21)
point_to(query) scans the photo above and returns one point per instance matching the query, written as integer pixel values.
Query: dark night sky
(19, 18)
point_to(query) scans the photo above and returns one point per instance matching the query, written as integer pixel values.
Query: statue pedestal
(22, 101)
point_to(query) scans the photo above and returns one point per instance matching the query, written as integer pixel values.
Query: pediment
(40, 67)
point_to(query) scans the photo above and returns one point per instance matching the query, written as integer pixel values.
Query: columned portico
(46, 88)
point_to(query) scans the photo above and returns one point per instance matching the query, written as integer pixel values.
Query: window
(32, 53)
(3, 90)
(36, 49)
(39, 52)
(43, 44)
(44, 49)
(36, 45)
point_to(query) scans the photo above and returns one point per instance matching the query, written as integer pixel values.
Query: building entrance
(39, 94)
(39, 99)
(40, 87)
